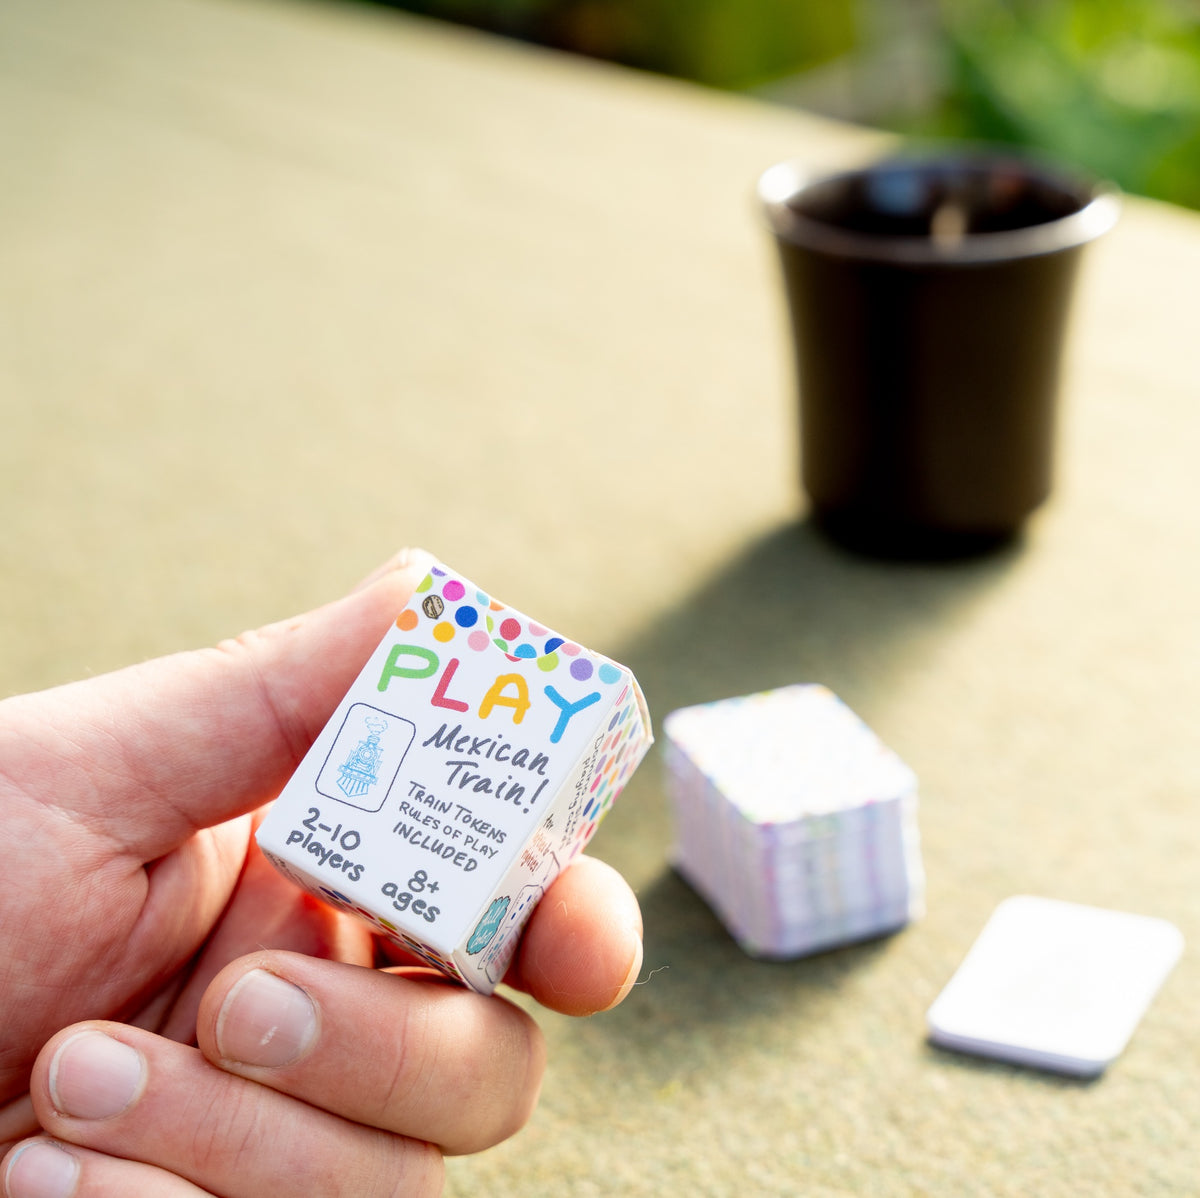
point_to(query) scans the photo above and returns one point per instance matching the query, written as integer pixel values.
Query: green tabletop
(284, 287)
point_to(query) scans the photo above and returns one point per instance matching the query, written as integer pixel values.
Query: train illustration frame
(364, 760)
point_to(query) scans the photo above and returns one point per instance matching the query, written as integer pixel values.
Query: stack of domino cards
(793, 820)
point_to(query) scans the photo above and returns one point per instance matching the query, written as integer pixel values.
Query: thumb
(149, 754)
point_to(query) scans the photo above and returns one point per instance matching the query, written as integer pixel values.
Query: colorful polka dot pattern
(622, 749)
(465, 615)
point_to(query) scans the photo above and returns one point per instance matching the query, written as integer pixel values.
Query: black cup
(929, 301)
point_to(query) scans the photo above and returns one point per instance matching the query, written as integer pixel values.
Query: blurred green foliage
(1112, 86)
(733, 44)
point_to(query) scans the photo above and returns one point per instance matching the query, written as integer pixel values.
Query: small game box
(469, 763)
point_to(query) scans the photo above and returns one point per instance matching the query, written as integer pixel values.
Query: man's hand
(134, 895)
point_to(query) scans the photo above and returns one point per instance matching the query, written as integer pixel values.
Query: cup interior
(957, 204)
(914, 201)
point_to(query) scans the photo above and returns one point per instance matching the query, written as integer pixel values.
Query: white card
(1055, 985)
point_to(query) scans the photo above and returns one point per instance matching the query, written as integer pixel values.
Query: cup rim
(1099, 209)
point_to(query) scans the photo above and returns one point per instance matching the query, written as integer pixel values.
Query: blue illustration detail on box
(488, 926)
(365, 758)
(507, 932)
(360, 771)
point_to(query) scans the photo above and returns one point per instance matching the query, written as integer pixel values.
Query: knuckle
(521, 1083)
(392, 1167)
(465, 1069)
(498, 1088)
(419, 1173)
(225, 1131)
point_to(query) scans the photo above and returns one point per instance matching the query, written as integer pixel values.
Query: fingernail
(41, 1169)
(93, 1076)
(635, 967)
(266, 1021)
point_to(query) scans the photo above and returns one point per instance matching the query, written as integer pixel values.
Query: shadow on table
(793, 607)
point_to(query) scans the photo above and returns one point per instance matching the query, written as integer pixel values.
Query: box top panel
(789, 753)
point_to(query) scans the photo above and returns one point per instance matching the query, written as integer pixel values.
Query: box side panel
(620, 739)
